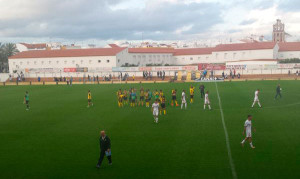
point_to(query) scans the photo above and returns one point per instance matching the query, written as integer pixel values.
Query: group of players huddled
(129, 97)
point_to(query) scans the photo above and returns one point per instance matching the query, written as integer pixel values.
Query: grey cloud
(81, 19)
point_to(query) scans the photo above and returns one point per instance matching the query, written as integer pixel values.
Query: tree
(6, 50)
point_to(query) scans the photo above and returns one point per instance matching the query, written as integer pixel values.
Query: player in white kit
(183, 100)
(256, 98)
(206, 101)
(248, 130)
(155, 110)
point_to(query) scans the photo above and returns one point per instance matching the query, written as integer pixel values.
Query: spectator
(71, 81)
(39, 79)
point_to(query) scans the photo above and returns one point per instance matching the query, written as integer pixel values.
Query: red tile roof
(151, 50)
(289, 46)
(114, 46)
(35, 46)
(245, 46)
(193, 51)
(68, 53)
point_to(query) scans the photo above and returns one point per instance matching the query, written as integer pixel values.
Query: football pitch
(58, 137)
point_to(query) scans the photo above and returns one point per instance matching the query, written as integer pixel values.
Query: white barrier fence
(154, 73)
(4, 77)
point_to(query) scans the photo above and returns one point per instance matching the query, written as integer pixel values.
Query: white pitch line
(234, 175)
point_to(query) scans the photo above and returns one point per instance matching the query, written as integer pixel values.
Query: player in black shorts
(163, 105)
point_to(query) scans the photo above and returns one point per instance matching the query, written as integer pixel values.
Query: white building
(289, 50)
(97, 59)
(64, 60)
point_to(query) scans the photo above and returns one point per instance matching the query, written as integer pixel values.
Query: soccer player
(155, 109)
(192, 89)
(147, 98)
(163, 105)
(183, 100)
(125, 96)
(278, 91)
(142, 97)
(90, 99)
(118, 94)
(156, 96)
(120, 100)
(150, 95)
(206, 101)
(256, 98)
(161, 94)
(133, 98)
(248, 130)
(26, 100)
(174, 100)
(129, 93)
(202, 87)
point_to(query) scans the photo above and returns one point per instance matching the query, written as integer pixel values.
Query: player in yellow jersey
(90, 103)
(147, 99)
(120, 100)
(119, 92)
(174, 100)
(142, 97)
(163, 106)
(192, 90)
(161, 94)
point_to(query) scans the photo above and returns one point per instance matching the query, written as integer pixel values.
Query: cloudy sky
(114, 20)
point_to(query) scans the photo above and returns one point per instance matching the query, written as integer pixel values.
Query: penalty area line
(234, 175)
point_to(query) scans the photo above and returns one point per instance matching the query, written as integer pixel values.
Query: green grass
(58, 137)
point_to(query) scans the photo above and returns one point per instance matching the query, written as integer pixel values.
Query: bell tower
(278, 32)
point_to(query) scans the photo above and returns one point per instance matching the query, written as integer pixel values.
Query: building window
(199, 58)
(14, 63)
(34, 62)
(90, 61)
(107, 61)
(119, 60)
(57, 62)
(65, 62)
(49, 62)
(191, 58)
(234, 55)
(99, 61)
(225, 55)
(73, 62)
(21, 63)
(27, 62)
(81, 61)
(42, 62)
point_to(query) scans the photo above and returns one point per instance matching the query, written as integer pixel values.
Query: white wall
(289, 54)
(192, 59)
(222, 57)
(141, 59)
(62, 62)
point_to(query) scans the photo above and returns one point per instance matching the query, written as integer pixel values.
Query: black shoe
(98, 166)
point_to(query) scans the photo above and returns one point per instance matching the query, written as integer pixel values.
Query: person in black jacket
(104, 148)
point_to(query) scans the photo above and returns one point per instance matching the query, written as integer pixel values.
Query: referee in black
(278, 91)
(202, 90)
(104, 148)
